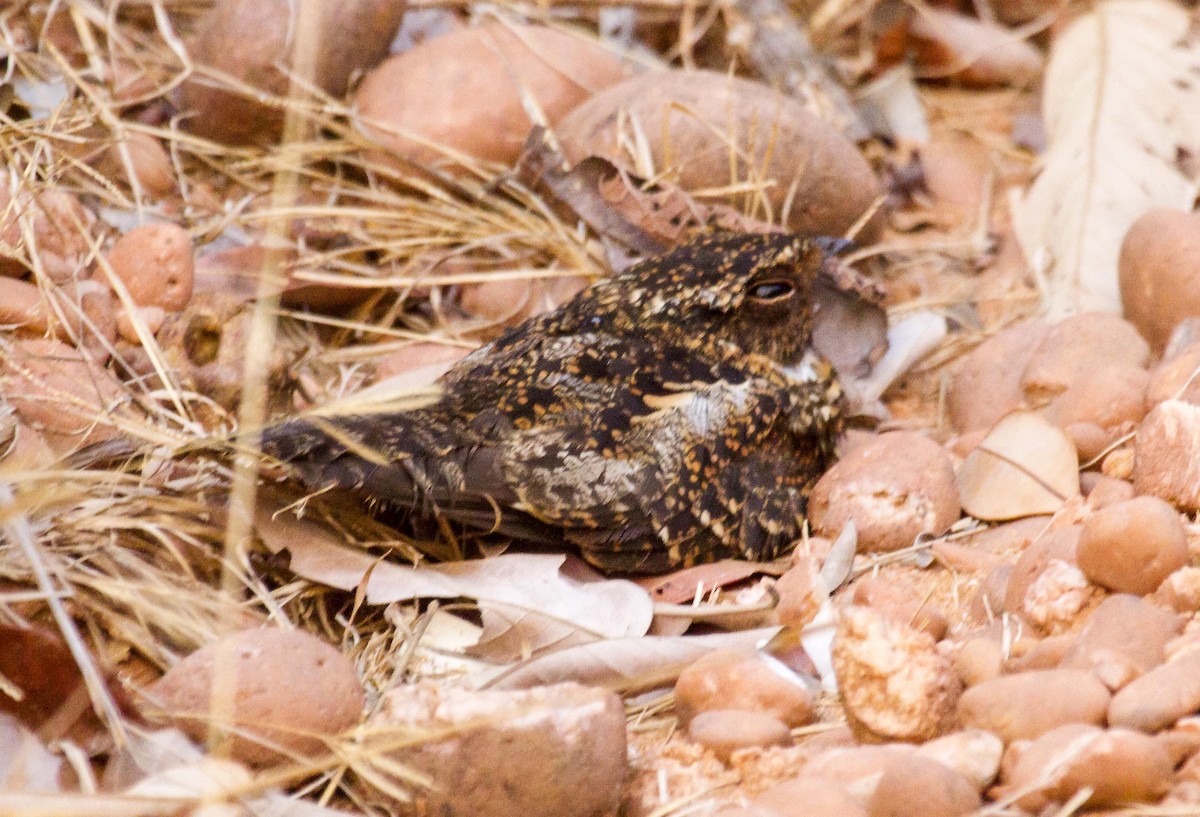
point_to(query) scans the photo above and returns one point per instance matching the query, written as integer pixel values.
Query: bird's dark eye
(771, 290)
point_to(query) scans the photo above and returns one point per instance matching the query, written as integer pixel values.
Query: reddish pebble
(899, 601)
(1181, 590)
(724, 731)
(857, 769)
(1090, 440)
(895, 683)
(988, 603)
(1111, 398)
(808, 796)
(1159, 272)
(1028, 704)
(1102, 491)
(1132, 546)
(979, 659)
(1166, 460)
(1177, 378)
(987, 383)
(1047, 588)
(550, 751)
(1123, 638)
(1161, 696)
(156, 265)
(973, 753)
(1076, 348)
(895, 488)
(916, 786)
(1116, 765)
(743, 679)
(266, 704)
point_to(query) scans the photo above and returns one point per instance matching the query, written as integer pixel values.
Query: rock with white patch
(894, 487)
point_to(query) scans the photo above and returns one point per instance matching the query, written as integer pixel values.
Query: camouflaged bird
(669, 415)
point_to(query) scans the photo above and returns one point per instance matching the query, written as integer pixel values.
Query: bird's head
(752, 290)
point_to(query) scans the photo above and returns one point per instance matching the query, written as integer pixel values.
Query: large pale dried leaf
(1025, 466)
(1121, 102)
(528, 603)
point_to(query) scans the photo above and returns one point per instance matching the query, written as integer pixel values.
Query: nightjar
(672, 414)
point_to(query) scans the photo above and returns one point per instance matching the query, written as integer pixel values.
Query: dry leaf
(626, 664)
(691, 583)
(1024, 466)
(892, 106)
(1120, 104)
(25, 764)
(527, 602)
(41, 685)
(757, 612)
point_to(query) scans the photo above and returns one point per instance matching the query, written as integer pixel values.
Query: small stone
(152, 317)
(60, 392)
(1159, 272)
(156, 265)
(22, 307)
(1118, 463)
(1076, 347)
(1133, 546)
(917, 786)
(1161, 696)
(433, 90)
(1180, 591)
(809, 796)
(973, 753)
(743, 679)
(1090, 440)
(1025, 705)
(266, 700)
(1102, 491)
(77, 312)
(1166, 459)
(1046, 587)
(856, 769)
(979, 659)
(899, 601)
(1035, 653)
(1118, 766)
(262, 44)
(894, 682)
(61, 229)
(553, 751)
(148, 163)
(989, 601)
(894, 487)
(1110, 397)
(821, 186)
(726, 730)
(1123, 638)
(1176, 378)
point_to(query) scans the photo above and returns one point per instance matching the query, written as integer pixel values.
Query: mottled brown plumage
(669, 415)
